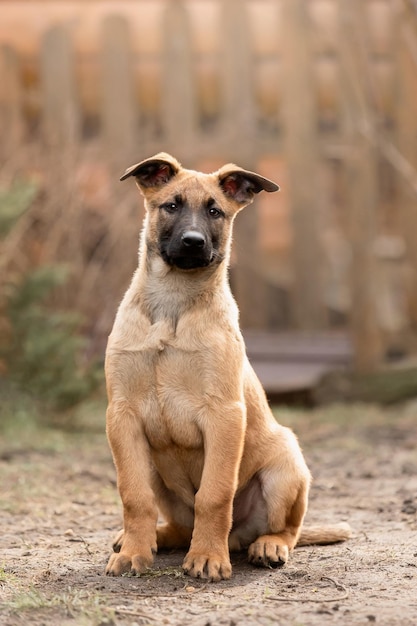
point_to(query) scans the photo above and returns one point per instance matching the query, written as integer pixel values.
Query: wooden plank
(279, 378)
(178, 98)
(297, 362)
(327, 347)
(11, 102)
(361, 186)
(237, 83)
(406, 117)
(60, 114)
(299, 116)
(237, 144)
(119, 109)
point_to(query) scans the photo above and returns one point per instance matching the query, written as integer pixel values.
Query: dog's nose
(193, 239)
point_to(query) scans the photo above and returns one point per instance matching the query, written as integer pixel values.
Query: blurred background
(318, 95)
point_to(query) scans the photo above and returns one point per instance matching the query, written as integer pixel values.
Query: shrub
(14, 202)
(41, 347)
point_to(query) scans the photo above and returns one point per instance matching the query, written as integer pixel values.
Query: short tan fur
(192, 435)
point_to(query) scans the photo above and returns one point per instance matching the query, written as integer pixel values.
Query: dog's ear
(153, 172)
(241, 185)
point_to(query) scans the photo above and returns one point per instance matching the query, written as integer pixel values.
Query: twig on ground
(123, 611)
(338, 586)
(80, 539)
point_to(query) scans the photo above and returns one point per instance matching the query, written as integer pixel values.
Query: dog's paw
(118, 541)
(211, 567)
(121, 563)
(268, 551)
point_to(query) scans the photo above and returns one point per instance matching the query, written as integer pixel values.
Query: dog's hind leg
(177, 528)
(273, 548)
(285, 487)
(169, 535)
(118, 541)
(178, 519)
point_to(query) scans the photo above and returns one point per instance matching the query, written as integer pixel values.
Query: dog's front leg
(208, 556)
(133, 464)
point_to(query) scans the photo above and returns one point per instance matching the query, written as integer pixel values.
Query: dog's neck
(167, 292)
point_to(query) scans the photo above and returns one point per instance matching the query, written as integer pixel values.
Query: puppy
(192, 435)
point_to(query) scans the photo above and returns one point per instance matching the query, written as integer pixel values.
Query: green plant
(41, 347)
(14, 202)
(6, 577)
(85, 607)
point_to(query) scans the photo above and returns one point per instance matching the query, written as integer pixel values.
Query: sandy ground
(59, 511)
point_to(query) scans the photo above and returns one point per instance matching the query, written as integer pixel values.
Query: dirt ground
(59, 510)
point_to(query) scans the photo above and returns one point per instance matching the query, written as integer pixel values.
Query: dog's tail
(322, 535)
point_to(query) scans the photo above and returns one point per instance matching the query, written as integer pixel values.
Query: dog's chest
(175, 372)
(175, 400)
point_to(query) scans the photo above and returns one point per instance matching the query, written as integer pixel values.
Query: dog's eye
(213, 212)
(170, 207)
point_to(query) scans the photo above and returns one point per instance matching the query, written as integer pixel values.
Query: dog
(192, 436)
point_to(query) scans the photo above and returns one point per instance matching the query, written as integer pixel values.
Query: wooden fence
(320, 95)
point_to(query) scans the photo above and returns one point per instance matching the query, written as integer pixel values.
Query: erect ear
(153, 172)
(241, 185)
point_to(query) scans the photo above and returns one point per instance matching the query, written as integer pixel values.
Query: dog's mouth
(187, 262)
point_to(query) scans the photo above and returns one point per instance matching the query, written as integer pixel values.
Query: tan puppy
(188, 422)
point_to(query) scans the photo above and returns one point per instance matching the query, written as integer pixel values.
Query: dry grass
(79, 218)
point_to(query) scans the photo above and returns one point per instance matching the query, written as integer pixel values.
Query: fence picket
(178, 99)
(361, 190)
(238, 107)
(11, 116)
(407, 141)
(61, 115)
(238, 130)
(299, 116)
(119, 109)
(47, 111)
